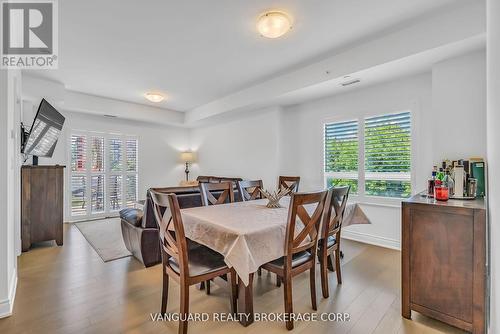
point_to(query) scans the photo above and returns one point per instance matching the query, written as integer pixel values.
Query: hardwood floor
(70, 289)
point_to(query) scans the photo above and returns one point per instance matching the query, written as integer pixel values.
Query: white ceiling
(407, 66)
(200, 51)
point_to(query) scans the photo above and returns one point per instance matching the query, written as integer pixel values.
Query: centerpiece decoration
(275, 196)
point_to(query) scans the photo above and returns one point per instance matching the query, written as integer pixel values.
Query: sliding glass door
(103, 174)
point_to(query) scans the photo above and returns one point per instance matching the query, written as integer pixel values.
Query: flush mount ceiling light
(274, 24)
(154, 97)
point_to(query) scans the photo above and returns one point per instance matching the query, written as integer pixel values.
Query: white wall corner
(493, 135)
(7, 305)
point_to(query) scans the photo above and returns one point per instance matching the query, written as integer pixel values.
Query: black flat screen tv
(44, 132)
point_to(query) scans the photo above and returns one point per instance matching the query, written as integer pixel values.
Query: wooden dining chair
(208, 193)
(289, 182)
(250, 190)
(330, 234)
(186, 266)
(300, 246)
(214, 193)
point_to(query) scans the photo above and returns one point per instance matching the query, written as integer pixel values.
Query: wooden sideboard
(444, 261)
(42, 190)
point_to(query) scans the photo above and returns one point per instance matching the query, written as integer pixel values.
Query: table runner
(247, 234)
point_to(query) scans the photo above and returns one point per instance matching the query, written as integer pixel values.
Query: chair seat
(190, 243)
(201, 260)
(330, 242)
(297, 260)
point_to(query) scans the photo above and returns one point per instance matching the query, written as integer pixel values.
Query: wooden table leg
(245, 301)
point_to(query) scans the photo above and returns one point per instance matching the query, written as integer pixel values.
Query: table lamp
(188, 158)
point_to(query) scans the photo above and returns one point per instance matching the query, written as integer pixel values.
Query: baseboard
(372, 239)
(7, 305)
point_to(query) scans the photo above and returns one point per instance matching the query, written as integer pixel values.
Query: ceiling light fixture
(274, 24)
(154, 97)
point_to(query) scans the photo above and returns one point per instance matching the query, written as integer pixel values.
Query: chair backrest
(289, 182)
(171, 230)
(250, 190)
(334, 211)
(307, 238)
(217, 179)
(225, 189)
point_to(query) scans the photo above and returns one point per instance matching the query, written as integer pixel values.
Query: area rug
(105, 236)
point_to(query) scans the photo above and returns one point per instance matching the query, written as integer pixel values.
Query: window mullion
(361, 157)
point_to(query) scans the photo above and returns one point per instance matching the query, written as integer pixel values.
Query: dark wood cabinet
(444, 261)
(42, 193)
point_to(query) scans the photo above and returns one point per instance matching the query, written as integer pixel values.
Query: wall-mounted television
(45, 131)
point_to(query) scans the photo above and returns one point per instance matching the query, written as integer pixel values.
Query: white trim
(7, 305)
(372, 239)
(387, 202)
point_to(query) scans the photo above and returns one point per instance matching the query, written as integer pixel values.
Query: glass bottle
(449, 182)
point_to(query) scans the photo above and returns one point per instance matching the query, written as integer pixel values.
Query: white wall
(159, 147)
(459, 106)
(304, 138)
(10, 83)
(449, 115)
(494, 158)
(247, 148)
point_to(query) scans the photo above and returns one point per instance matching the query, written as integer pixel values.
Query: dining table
(248, 234)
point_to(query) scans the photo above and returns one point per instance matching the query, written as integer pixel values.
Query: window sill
(389, 202)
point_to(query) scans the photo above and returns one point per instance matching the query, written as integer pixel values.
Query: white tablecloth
(247, 234)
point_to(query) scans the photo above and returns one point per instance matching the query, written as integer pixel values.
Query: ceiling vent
(350, 82)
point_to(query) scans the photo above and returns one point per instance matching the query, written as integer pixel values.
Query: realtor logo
(29, 34)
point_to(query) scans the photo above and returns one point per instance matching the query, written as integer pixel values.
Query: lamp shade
(188, 157)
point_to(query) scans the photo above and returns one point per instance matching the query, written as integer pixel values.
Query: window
(341, 154)
(388, 155)
(104, 174)
(384, 144)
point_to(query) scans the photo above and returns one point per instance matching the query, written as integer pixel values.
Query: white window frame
(361, 196)
(107, 173)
